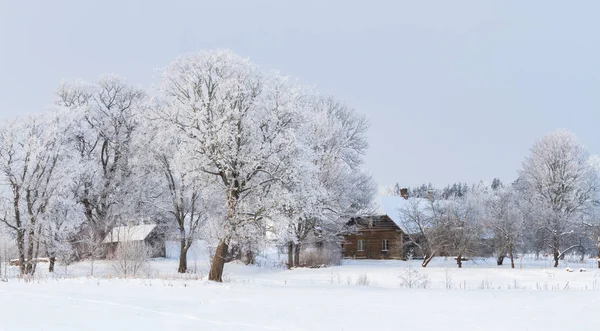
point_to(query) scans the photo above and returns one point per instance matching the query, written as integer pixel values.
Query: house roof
(129, 233)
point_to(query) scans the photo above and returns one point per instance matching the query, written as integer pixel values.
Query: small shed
(147, 233)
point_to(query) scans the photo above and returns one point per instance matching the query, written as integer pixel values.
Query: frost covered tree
(505, 220)
(461, 220)
(60, 223)
(242, 124)
(591, 222)
(423, 221)
(183, 191)
(108, 113)
(450, 226)
(30, 152)
(330, 186)
(559, 183)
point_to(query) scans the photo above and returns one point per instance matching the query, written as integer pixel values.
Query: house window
(361, 245)
(385, 245)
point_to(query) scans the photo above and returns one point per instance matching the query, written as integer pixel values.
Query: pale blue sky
(454, 90)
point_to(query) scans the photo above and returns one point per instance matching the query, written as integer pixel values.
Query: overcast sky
(454, 90)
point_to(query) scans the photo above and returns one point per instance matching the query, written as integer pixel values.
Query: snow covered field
(482, 296)
(160, 305)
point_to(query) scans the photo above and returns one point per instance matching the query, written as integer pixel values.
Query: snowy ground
(482, 296)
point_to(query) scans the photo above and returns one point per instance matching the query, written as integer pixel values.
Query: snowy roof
(394, 207)
(129, 233)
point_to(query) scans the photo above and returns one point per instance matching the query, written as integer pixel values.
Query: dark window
(385, 245)
(361, 245)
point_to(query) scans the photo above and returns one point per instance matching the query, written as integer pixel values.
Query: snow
(145, 305)
(394, 207)
(483, 296)
(129, 233)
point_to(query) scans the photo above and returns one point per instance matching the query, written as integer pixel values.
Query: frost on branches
(102, 145)
(330, 186)
(560, 185)
(225, 152)
(247, 128)
(31, 158)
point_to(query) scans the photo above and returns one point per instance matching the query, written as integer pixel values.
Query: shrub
(411, 278)
(363, 280)
(130, 258)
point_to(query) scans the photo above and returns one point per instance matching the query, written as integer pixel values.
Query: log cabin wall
(373, 232)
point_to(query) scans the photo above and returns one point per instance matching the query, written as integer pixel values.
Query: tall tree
(504, 218)
(559, 183)
(29, 159)
(182, 190)
(331, 186)
(423, 221)
(242, 124)
(108, 114)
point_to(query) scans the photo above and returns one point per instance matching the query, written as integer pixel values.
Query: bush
(411, 278)
(363, 280)
(130, 258)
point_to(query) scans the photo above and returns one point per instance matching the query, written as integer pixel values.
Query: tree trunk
(249, 257)
(598, 257)
(218, 262)
(31, 235)
(21, 249)
(183, 249)
(459, 260)
(555, 255)
(500, 259)
(290, 263)
(426, 260)
(37, 250)
(51, 265)
(20, 231)
(297, 255)
(512, 258)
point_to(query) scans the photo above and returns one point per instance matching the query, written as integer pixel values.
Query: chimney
(404, 193)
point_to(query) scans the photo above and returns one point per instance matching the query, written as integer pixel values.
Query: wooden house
(374, 237)
(147, 233)
(381, 235)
